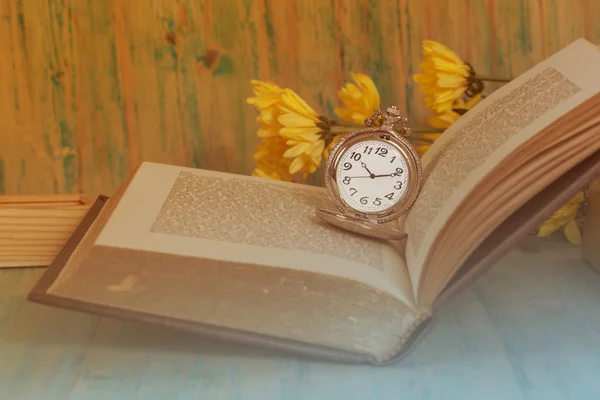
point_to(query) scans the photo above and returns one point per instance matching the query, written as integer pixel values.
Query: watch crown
(391, 117)
(388, 119)
(393, 110)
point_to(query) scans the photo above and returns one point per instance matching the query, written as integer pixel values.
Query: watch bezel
(402, 145)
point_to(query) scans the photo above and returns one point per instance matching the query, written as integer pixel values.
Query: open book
(247, 259)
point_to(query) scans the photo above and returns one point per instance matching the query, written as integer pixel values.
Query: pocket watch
(373, 176)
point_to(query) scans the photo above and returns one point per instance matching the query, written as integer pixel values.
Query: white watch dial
(372, 176)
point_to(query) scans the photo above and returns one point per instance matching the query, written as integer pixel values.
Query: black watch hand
(372, 176)
(365, 167)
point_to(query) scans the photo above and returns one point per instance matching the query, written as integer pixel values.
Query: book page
(242, 219)
(492, 130)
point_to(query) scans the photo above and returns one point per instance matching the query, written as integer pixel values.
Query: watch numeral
(377, 201)
(382, 151)
(399, 170)
(347, 166)
(355, 156)
(353, 193)
(393, 158)
(368, 150)
(398, 185)
(390, 195)
(363, 200)
(346, 180)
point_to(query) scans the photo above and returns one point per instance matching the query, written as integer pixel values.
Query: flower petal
(295, 104)
(298, 149)
(301, 134)
(451, 81)
(440, 50)
(297, 165)
(548, 228)
(572, 232)
(295, 120)
(360, 99)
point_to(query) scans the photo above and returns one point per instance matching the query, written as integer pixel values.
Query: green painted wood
(89, 89)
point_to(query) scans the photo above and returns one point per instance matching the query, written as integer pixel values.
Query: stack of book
(34, 228)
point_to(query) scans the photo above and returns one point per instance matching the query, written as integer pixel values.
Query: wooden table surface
(528, 329)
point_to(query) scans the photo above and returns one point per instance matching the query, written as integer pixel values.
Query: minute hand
(374, 176)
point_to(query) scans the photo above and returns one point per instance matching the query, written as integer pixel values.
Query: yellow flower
(293, 134)
(445, 120)
(444, 77)
(303, 129)
(270, 162)
(565, 218)
(449, 117)
(269, 152)
(359, 98)
(331, 145)
(267, 102)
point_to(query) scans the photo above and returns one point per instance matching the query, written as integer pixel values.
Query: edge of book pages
(523, 222)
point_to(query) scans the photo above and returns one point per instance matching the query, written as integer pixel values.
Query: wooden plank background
(89, 89)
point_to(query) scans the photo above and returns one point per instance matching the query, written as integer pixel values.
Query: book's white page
(484, 136)
(243, 219)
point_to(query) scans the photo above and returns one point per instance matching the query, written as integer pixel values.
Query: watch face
(372, 176)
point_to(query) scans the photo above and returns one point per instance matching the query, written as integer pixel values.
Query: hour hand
(365, 167)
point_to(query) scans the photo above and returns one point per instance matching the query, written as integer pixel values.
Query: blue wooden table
(529, 329)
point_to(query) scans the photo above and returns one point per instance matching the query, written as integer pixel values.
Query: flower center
(325, 126)
(474, 84)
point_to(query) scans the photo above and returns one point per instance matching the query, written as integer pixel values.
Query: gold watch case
(384, 132)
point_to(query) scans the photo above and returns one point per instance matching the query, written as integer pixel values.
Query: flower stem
(426, 130)
(336, 122)
(416, 138)
(492, 78)
(337, 129)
